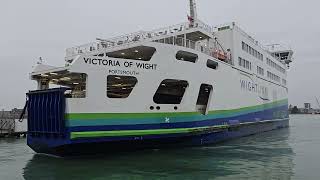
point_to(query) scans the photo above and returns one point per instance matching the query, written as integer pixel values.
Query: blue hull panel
(64, 146)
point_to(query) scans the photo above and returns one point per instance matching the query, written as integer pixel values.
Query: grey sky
(33, 28)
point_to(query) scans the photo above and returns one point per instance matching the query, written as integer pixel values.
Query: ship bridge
(281, 52)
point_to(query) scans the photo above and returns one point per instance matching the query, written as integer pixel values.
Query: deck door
(204, 98)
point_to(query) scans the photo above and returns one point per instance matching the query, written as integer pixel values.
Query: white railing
(178, 42)
(212, 50)
(139, 36)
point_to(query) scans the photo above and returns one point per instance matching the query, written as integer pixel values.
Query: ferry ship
(189, 84)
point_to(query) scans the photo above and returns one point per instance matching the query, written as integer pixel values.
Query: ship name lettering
(146, 66)
(100, 62)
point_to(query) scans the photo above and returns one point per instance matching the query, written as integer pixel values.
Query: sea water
(291, 153)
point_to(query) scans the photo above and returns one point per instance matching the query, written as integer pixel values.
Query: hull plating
(101, 139)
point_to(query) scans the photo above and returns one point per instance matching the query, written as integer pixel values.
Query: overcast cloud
(33, 28)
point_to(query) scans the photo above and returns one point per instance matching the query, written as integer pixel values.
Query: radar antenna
(193, 12)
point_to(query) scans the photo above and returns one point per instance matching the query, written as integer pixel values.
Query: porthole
(158, 107)
(151, 108)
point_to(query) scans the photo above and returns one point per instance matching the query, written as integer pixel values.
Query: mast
(318, 102)
(193, 12)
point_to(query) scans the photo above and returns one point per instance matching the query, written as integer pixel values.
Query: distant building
(13, 114)
(307, 105)
(11, 124)
(306, 110)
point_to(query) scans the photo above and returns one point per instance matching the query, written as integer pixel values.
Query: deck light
(124, 88)
(118, 77)
(117, 85)
(54, 73)
(123, 53)
(75, 83)
(65, 79)
(44, 75)
(136, 51)
(200, 37)
(140, 58)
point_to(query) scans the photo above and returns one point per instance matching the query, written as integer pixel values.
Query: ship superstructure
(187, 84)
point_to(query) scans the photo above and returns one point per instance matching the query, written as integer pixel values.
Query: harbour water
(282, 154)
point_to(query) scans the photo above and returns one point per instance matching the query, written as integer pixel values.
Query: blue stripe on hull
(103, 145)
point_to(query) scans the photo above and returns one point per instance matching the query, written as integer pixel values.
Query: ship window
(186, 56)
(140, 53)
(100, 55)
(212, 64)
(120, 86)
(244, 63)
(284, 82)
(170, 91)
(260, 70)
(247, 48)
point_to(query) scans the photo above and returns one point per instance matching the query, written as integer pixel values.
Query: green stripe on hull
(97, 119)
(94, 134)
(88, 116)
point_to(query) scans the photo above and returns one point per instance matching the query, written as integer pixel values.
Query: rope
(23, 112)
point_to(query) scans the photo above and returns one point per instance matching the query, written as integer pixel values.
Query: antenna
(193, 12)
(40, 61)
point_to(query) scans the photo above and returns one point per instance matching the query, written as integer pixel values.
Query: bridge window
(141, 53)
(186, 56)
(120, 86)
(170, 91)
(212, 64)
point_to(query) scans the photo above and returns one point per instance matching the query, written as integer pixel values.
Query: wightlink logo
(249, 86)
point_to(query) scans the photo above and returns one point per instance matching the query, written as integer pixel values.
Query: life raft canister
(220, 55)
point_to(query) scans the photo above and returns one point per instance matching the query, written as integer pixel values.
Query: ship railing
(204, 26)
(209, 49)
(83, 48)
(177, 41)
(139, 36)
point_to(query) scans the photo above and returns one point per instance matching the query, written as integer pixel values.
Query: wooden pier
(10, 126)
